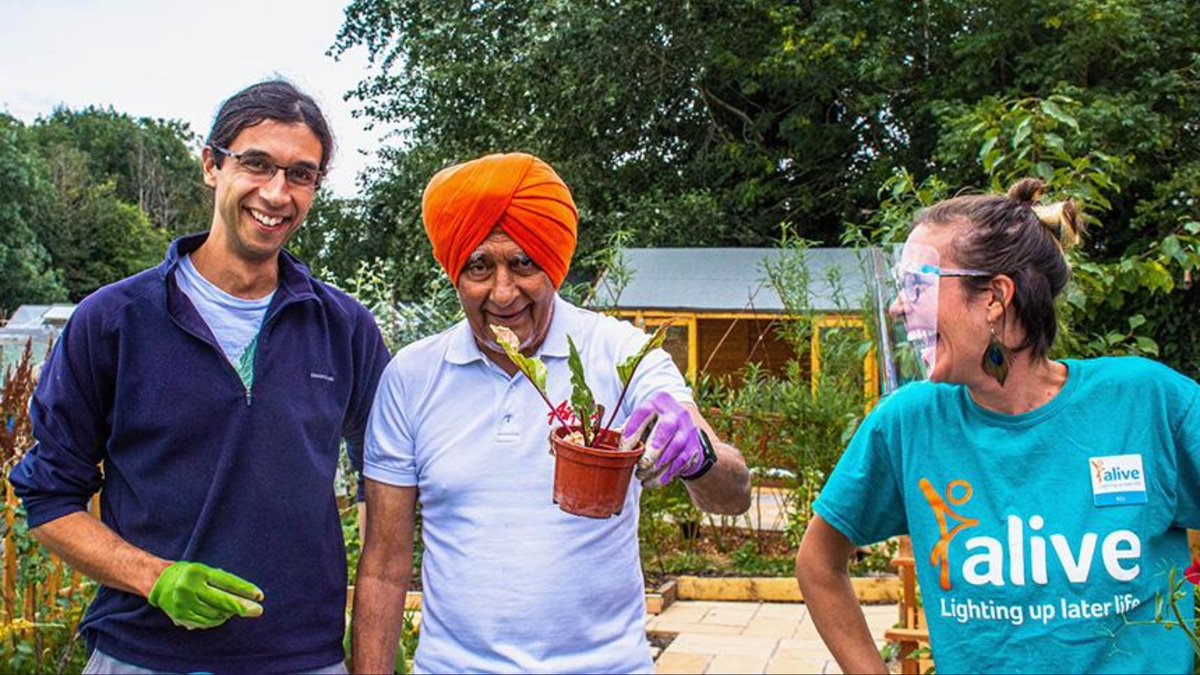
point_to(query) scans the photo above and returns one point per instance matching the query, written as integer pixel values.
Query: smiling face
(253, 218)
(952, 314)
(500, 285)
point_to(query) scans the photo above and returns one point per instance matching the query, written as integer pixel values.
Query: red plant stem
(554, 411)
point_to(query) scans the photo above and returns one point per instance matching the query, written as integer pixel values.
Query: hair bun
(1027, 191)
(1062, 220)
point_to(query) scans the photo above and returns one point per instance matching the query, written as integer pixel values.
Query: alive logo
(1114, 473)
(1118, 480)
(1028, 553)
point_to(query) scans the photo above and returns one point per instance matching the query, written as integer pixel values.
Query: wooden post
(30, 610)
(10, 555)
(911, 634)
(53, 585)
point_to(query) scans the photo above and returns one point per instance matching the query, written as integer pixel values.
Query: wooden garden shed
(725, 310)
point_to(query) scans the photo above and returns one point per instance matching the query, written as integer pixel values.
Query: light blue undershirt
(234, 322)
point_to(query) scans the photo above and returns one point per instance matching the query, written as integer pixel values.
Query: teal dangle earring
(996, 358)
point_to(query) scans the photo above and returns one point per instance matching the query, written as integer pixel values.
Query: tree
(149, 162)
(26, 197)
(122, 189)
(716, 123)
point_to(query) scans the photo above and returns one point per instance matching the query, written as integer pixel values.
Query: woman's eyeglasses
(912, 282)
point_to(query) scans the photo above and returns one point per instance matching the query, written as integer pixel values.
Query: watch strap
(709, 459)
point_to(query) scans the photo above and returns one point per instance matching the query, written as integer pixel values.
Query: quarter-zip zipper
(262, 330)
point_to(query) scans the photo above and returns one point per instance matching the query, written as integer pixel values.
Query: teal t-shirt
(1037, 535)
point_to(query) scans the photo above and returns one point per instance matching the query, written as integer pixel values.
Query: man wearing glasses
(206, 399)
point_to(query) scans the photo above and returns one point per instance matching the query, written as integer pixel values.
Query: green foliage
(401, 323)
(1173, 609)
(113, 178)
(98, 239)
(353, 542)
(91, 197)
(660, 510)
(582, 400)
(781, 423)
(27, 197)
(712, 123)
(747, 561)
(149, 163)
(1123, 300)
(404, 651)
(1028, 137)
(338, 236)
(677, 153)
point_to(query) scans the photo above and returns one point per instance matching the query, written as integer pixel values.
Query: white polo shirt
(511, 582)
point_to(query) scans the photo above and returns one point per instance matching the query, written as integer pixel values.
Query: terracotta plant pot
(591, 482)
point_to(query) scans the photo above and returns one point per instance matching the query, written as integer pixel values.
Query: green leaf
(1053, 110)
(626, 368)
(1171, 247)
(1023, 130)
(993, 158)
(1135, 321)
(582, 400)
(987, 149)
(532, 368)
(1076, 297)
(1147, 345)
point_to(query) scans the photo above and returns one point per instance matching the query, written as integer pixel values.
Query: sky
(179, 60)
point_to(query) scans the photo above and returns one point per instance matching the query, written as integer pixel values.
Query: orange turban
(517, 192)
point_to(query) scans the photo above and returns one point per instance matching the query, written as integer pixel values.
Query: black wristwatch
(710, 456)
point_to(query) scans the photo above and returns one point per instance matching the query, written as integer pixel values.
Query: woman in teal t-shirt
(1046, 500)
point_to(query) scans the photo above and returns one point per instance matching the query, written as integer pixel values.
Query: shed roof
(731, 280)
(37, 323)
(39, 316)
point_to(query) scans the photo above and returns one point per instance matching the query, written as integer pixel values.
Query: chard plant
(583, 402)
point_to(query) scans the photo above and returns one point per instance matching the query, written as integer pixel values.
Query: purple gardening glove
(674, 447)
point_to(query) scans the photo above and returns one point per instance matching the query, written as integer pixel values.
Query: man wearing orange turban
(511, 583)
(518, 193)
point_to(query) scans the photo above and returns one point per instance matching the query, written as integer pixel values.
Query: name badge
(1118, 480)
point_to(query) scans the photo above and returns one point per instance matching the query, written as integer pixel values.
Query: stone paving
(750, 637)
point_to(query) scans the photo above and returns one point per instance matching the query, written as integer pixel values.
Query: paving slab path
(750, 637)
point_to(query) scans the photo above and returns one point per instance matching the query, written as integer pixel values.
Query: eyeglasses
(912, 282)
(259, 165)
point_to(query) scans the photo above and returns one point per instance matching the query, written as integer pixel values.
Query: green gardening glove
(198, 596)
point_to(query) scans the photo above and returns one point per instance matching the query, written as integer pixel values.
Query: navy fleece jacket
(196, 467)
